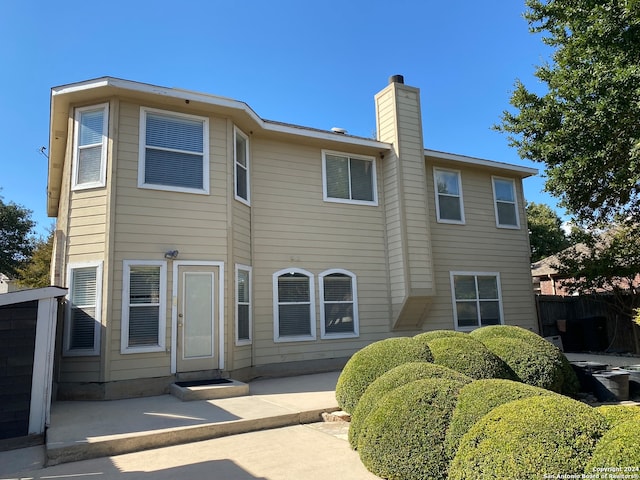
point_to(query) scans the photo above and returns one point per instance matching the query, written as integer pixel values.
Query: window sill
(168, 188)
(373, 203)
(306, 338)
(338, 336)
(152, 349)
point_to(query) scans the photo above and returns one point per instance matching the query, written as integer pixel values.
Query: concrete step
(208, 389)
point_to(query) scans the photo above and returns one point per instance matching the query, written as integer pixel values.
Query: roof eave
(63, 96)
(521, 171)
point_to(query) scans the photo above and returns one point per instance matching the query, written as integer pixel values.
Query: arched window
(294, 306)
(338, 304)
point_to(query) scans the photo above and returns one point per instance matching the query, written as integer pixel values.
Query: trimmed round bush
(432, 335)
(616, 414)
(469, 356)
(477, 399)
(403, 437)
(394, 378)
(619, 447)
(532, 362)
(372, 361)
(529, 438)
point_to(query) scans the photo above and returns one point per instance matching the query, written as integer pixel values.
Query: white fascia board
(217, 101)
(22, 296)
(524, 171)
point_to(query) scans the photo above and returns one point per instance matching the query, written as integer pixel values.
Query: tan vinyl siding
(386, 125)
(81, 224)
(149, 222)
(407, 231)
(294, 227)
(479, 246)
(240, 356)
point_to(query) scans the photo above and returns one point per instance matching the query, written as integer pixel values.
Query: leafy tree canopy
(546, 235)
(608, 261)
(35, 273)
(16, 243)
(585, 128)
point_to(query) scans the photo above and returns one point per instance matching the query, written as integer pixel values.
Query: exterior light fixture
(171, 254)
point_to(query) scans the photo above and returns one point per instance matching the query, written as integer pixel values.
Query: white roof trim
(22, 296)
(215, 101)
(526, 171)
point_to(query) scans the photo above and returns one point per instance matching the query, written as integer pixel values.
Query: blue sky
(310, 63)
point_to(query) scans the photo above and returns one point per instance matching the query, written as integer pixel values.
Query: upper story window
(90, 147)
(82, 322)
(448, 187)
(174, 151)
(293, 305)
(349, 179)
(477, 300)
(241, 160)
(506, 205)
(338, 304)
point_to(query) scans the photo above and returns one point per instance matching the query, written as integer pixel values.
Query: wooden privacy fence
(588, 323)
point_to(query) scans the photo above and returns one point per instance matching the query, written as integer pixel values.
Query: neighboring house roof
(548, 265)
(6, 284)
(63, 96)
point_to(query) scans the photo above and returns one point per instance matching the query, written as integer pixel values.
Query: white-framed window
(338, 304)
(477, 299)
(90, 146)
(349, 179)
(506, 204)
(174, 151)
(144, 306)
(293, 306)
(241, 161)
(84, 309)
(243, 304)
(448, 189)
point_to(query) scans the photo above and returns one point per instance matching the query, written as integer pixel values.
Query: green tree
(16, 242)
(607, 262)
(585, 128)
(604, 261)
(35, 273)
(546, 235)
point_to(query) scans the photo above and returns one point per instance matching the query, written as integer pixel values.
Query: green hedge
(469, 356)
(533, 360)
(529, 438)
(372, 361)
(434, 334)
(394, 378)
(479, 398)
(618, 448)
(403, 437)
(616, 414)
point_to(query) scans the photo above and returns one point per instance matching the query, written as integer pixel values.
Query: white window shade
(90, 152)
(82, 325)
(173, 152)
(294, 306)
(339, 304)
(144, 306)
(347, 179)
(243, 305)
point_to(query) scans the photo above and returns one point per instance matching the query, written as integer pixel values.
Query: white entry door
(197, 318)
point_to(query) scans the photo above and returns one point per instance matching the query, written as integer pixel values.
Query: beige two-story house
(198, 239)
